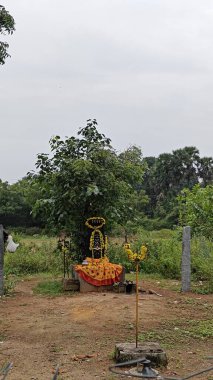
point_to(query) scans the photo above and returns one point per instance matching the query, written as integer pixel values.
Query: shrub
(117, 255)
(164, 255)
(29, 259)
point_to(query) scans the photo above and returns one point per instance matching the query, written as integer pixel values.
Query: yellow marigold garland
(96, 229)
(106, 243)
(102, 222)
(92, 238)
(135, 256)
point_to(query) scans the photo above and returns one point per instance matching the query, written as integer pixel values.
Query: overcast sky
(142, 68)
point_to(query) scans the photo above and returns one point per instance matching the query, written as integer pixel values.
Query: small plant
(51, 288)
(9, 286)
(201, 329)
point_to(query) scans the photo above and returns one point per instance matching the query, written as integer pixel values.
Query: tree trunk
(1, 261)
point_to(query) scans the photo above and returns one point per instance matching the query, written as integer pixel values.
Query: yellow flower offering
(134, 256)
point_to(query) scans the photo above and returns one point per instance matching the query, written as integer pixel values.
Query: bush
(202, 259)
(164, 255)
(30, 258)
(117, 255)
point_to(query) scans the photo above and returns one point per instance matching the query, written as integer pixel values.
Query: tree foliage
(7, 26)
(85, 177)
(168, 174)
(196, 209)
(16, 202)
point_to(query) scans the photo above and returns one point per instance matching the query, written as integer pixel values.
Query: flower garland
(95, 218)
(92, 240)
(136, 257)
(103, 243)
(106, 243)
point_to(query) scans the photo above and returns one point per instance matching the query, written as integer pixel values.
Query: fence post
(186, 260)
(1, 261)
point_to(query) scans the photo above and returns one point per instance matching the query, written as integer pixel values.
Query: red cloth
(99, 272)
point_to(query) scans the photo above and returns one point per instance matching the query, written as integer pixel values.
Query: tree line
(168, 174)
(85, 176)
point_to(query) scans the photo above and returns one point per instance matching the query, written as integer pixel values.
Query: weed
(52, 288)
(201, 329)
(33, 258)
(39, 255)
(177, 333)
(130, 326)
(111, 355)
(2, 337)
(164, 258)
(9, 285)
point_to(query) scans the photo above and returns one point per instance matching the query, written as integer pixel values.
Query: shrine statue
(97, 270)
(98, 240)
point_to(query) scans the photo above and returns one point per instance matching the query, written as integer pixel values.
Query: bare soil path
(80, 331)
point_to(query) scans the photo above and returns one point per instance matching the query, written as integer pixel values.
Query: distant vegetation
(137, 195)
(85, 176)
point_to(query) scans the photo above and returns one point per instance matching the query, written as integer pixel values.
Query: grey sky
(142, 68)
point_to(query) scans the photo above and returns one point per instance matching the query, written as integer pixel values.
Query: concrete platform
(85, 287)
(151, 350)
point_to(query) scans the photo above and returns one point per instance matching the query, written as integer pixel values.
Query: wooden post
(1, 261)
(136, 327)
(186, 260)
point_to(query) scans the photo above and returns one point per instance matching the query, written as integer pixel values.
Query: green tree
(166, 176)
(206, 171)
(133, 208)
(85, 177)
(196, 209)
(16, 202)
(7, 26)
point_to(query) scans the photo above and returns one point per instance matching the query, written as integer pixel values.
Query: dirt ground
(79, 331)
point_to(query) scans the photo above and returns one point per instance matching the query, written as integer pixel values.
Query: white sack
(11, 246)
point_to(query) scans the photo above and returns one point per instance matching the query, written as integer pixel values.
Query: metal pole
(56, 373)
(136, 330)
(6, 370)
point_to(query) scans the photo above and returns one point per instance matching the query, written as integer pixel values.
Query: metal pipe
(6, 370)
(143, 360)
(56, 373)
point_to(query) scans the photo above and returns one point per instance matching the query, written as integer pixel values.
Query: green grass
(50, 288)
(164, 257)
(176, 333)
(201, 329)
(2, 337)
(34, 256)
(38, 254)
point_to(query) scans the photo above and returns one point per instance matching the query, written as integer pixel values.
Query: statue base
(86, 287)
